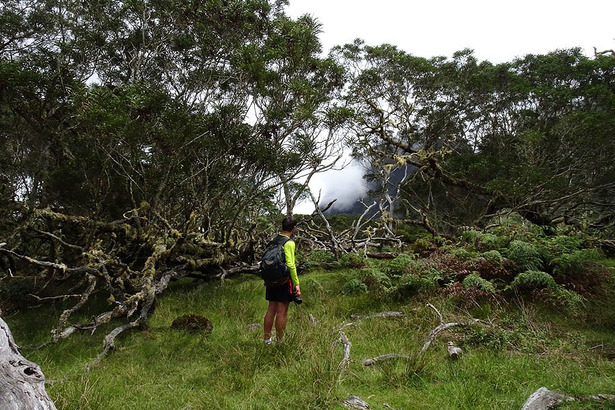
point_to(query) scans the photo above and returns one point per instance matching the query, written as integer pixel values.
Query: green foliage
(410, 284)
(354, 287)
(422, 244)
(494, 257)
(232, 369)
(399, 265)
(558, 245)
(318, 258)
(532, 279)
(569, 300)
(15, 291)
(471, 236)
(376, 280)
(489, 241)
(525, 255)
(462, 253)
(573, 263)
(352, 260)
(474, 281)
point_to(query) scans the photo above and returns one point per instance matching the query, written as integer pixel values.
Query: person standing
(281, 293)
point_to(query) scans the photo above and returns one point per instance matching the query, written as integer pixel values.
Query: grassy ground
(522, 348)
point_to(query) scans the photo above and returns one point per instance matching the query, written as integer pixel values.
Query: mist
(346, 185)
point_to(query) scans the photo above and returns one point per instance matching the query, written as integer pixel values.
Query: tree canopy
(533, 136)
(146, 141)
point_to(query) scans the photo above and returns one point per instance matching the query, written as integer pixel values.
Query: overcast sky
(497, 31)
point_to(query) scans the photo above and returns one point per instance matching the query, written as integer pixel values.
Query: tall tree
(485, 139)
(144, 138)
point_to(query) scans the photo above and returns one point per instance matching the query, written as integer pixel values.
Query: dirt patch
(193, 324)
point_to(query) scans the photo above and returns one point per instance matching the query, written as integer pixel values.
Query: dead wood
(442, 326)
(235, 270)
(380, 315)
(388, 356)
(382, 255)
(545, 399)
(453, 351)
(370, 316)
(132, 260)
(22, 383)
(355, 402)
(346, 343)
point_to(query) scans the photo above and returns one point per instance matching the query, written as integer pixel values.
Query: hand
(297, 290)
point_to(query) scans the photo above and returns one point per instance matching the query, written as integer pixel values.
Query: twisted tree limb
(545, 399)
(374, 315)
(22, 383)
(346, 343)
(442, 326)
(355, 402)
(388, 356)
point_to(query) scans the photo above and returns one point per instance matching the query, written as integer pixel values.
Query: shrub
(319, 258)
(352, 260)
(471, 237)
(489, 241)
(533, 279)
(410, 284)
(474, 281)
(422, 244)
(14, 291)
(399, 265)
(571, 301)
(568, 264)
(493, 257)
(494, 339)
(588, 277)
(374, 279)
(312, 284)
(354, 287)
(462, 253)
(525, 255)
(558, 245)
(439, 241)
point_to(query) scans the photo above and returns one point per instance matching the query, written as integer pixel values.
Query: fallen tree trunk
(545, 399)
(369, 362)
(22, 383)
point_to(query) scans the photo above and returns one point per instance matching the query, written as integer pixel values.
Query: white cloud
(346, 185)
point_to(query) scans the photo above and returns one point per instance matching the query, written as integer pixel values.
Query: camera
(296, 299)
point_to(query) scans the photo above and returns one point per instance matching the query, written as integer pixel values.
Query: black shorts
(282, 293)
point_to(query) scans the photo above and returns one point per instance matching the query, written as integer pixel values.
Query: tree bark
(22, 383)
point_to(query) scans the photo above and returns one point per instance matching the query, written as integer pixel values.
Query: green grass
(525, 347)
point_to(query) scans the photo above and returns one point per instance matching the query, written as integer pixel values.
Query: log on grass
(22, 383)
(545, 399)
(355, 402)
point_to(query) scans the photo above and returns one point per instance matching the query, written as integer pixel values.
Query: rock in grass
(355, 402)
(193, 324)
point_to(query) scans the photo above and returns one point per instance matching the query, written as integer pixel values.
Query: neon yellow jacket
(289, 255)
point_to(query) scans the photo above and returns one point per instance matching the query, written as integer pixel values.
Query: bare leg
(280, 319)
(269, 317)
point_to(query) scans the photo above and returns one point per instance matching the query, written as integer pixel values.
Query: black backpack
(273, 263)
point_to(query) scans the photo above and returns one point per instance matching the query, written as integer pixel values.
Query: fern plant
(533, 279)
(474, 281)
(525, 255)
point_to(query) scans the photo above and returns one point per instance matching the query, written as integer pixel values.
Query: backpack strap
(279, 240)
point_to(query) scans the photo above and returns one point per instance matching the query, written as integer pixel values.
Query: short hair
(288, 223)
